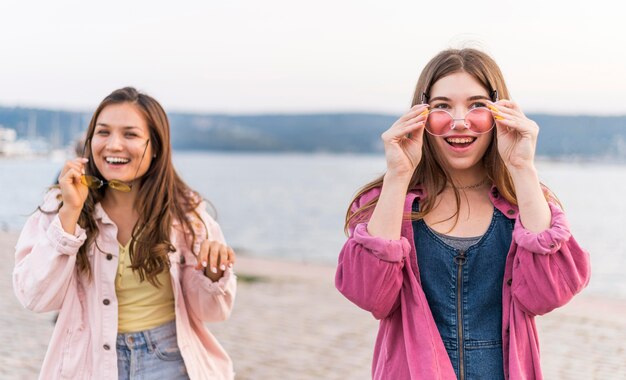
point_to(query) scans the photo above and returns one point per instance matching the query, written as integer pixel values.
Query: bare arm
(517, 140)
(534, 210)
(386, 220)
(403, 152)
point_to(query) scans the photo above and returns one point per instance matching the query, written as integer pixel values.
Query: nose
(459, 124)
(114, 142)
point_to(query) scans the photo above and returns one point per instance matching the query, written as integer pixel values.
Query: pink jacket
(83, 342)
(543, 271)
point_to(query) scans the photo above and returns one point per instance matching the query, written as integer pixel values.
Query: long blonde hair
(430, 174)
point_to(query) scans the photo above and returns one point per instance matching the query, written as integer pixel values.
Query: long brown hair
(430, 174)
(162, 198)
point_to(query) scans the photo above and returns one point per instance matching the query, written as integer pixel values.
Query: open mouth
(116, 160)
(460, 142)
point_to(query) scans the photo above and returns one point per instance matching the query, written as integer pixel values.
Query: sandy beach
(289, 322)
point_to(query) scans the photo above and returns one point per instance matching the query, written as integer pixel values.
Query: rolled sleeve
(209, 301)
(369, 271)
(64, 242)
(385, 249)
(549, 268)
(219, 287)
(545, 242)
(45, 257)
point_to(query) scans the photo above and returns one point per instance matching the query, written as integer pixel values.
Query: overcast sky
(265, 56)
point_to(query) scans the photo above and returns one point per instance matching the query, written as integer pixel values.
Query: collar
(100, 214)
(509, 210)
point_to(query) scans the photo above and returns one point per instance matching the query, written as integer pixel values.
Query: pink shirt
(83, 342)
(543, 271)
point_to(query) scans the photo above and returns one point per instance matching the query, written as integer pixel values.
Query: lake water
(292, 206)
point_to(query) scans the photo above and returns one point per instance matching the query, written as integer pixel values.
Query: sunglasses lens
(438, 122)
(119, 186)
(91, 182)
(479, 120)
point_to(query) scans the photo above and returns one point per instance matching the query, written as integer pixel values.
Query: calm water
(292, 206)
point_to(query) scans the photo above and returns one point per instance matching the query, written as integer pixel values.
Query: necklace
(479, 184)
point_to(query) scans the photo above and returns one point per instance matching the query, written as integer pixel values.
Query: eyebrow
(124, 127)
(475, 97)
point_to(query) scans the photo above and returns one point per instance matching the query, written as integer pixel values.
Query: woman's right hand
(73, 192)
(403, 142)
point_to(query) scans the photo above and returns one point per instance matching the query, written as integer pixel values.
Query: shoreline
(289, 322)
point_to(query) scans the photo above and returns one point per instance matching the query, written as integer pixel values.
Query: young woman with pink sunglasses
(458, 246)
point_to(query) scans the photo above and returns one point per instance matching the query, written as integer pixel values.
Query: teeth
(116, 160)
(460, 140)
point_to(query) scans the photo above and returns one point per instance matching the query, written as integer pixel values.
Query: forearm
(386, 220)
(533, 208)
(69, 218)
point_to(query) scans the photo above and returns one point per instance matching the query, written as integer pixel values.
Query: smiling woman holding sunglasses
(127, 253)
(458, 246)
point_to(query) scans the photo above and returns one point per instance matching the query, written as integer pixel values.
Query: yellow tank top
(141, 305)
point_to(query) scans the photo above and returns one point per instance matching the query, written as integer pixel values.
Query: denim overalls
(464, 292)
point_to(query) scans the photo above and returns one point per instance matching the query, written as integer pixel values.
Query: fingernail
(492, 108)
(214, 270)
(223, 267)
(230, 265)
(204, 264)
(84, 159)
(424, 113)
(498, 117)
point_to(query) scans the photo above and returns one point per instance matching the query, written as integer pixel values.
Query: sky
(279, 56)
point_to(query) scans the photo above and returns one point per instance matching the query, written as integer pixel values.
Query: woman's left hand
(214, 258)
(517, 135)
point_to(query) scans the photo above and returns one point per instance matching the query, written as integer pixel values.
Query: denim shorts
(150, 354)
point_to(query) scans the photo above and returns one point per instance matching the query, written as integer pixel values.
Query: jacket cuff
(217, 287)
(63, 242)
(384, 249)
(545, 242)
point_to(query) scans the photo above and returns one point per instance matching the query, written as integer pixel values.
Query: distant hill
(560, 136)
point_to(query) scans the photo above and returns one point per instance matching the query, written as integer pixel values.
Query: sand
(289, 322)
